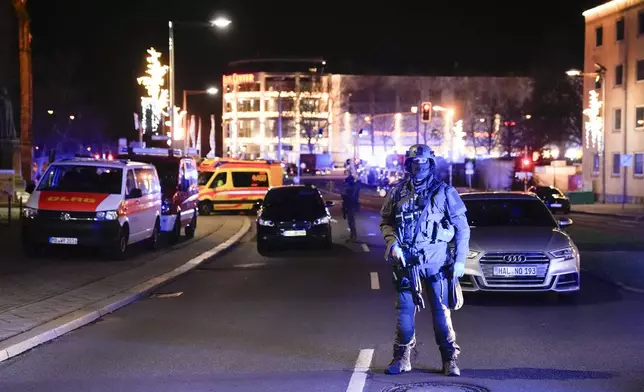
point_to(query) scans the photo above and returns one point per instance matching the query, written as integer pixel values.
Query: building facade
(613, 160)
(366, 117)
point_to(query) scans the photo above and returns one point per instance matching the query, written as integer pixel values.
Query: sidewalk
(630, 211)
(43, 299)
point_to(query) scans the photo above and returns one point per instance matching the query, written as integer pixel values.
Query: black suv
(291, 215)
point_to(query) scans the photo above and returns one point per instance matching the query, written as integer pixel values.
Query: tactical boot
(402, 360)
(450, 368)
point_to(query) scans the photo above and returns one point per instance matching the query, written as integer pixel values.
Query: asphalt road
(298, 321)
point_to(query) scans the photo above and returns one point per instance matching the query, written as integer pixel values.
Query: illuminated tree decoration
(156, 101)
(595, 123)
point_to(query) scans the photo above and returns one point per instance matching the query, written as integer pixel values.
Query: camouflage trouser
(435, 291)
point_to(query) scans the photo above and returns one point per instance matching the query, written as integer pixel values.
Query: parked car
(293, 215)
(179, 186)
(554, 198)
(517, 245)
(96, 203)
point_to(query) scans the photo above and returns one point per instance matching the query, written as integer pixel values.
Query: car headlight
(29, 213)
(472, 254)
(265, 222)
(107, 215)
(565, 253)
(322, 221)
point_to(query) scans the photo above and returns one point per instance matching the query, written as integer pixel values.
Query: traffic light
(510, 123)
(426, 112)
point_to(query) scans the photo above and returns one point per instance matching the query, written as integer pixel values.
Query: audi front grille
(537, 259)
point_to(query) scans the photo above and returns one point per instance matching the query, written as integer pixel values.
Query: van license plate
(63, 241)
(514, 271)
(294, 233)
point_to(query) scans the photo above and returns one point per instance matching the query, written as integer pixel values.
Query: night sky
(108, 39)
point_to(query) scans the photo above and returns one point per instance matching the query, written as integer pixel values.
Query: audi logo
(514, 258)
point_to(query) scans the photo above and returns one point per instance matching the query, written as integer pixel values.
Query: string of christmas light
(595, 123)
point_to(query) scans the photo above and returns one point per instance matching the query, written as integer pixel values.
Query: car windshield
(508, 212)
(204, 177)
(168, 174)
(77, 178)
(294, 198)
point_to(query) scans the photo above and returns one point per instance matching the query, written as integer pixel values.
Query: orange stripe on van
(70, 201)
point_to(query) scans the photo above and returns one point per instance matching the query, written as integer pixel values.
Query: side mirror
(329, 203)
(135, 194)
(565, 222)
(30, 188)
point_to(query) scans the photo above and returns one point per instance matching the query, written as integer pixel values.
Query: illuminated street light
(554, 153)
(220, 22)
(72, 117)
(573, 72)
(212, 91)
(50, 112)
(89, 148)
(482, 120)
(414, 109)
(367, 118)
(528, 116)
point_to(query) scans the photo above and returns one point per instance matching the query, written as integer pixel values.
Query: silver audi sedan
(518, 245)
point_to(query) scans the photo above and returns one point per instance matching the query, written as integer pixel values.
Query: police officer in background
(420, 216)
(351, 204)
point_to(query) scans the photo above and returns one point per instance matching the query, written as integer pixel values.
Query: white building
(613, 160)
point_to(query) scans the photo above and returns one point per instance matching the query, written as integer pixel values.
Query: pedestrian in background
(351, 204)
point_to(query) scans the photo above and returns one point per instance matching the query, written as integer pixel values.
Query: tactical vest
(409, 208)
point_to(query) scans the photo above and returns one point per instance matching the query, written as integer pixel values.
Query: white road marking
(359, 376)
(250, 265)
(168, 295)
(375, 282)
(365, 247)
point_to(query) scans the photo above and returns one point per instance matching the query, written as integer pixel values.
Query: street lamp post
(220, 23)
(599, 76)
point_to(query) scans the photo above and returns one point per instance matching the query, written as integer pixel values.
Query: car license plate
(63, 241)
(514, 271)
(294, 233)
(556, 205)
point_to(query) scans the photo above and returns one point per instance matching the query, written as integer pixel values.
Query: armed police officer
(420, 216)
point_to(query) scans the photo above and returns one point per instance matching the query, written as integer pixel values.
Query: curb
(620, 216)
(51, 330)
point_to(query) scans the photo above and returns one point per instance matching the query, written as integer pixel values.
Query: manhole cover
(435, 386)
